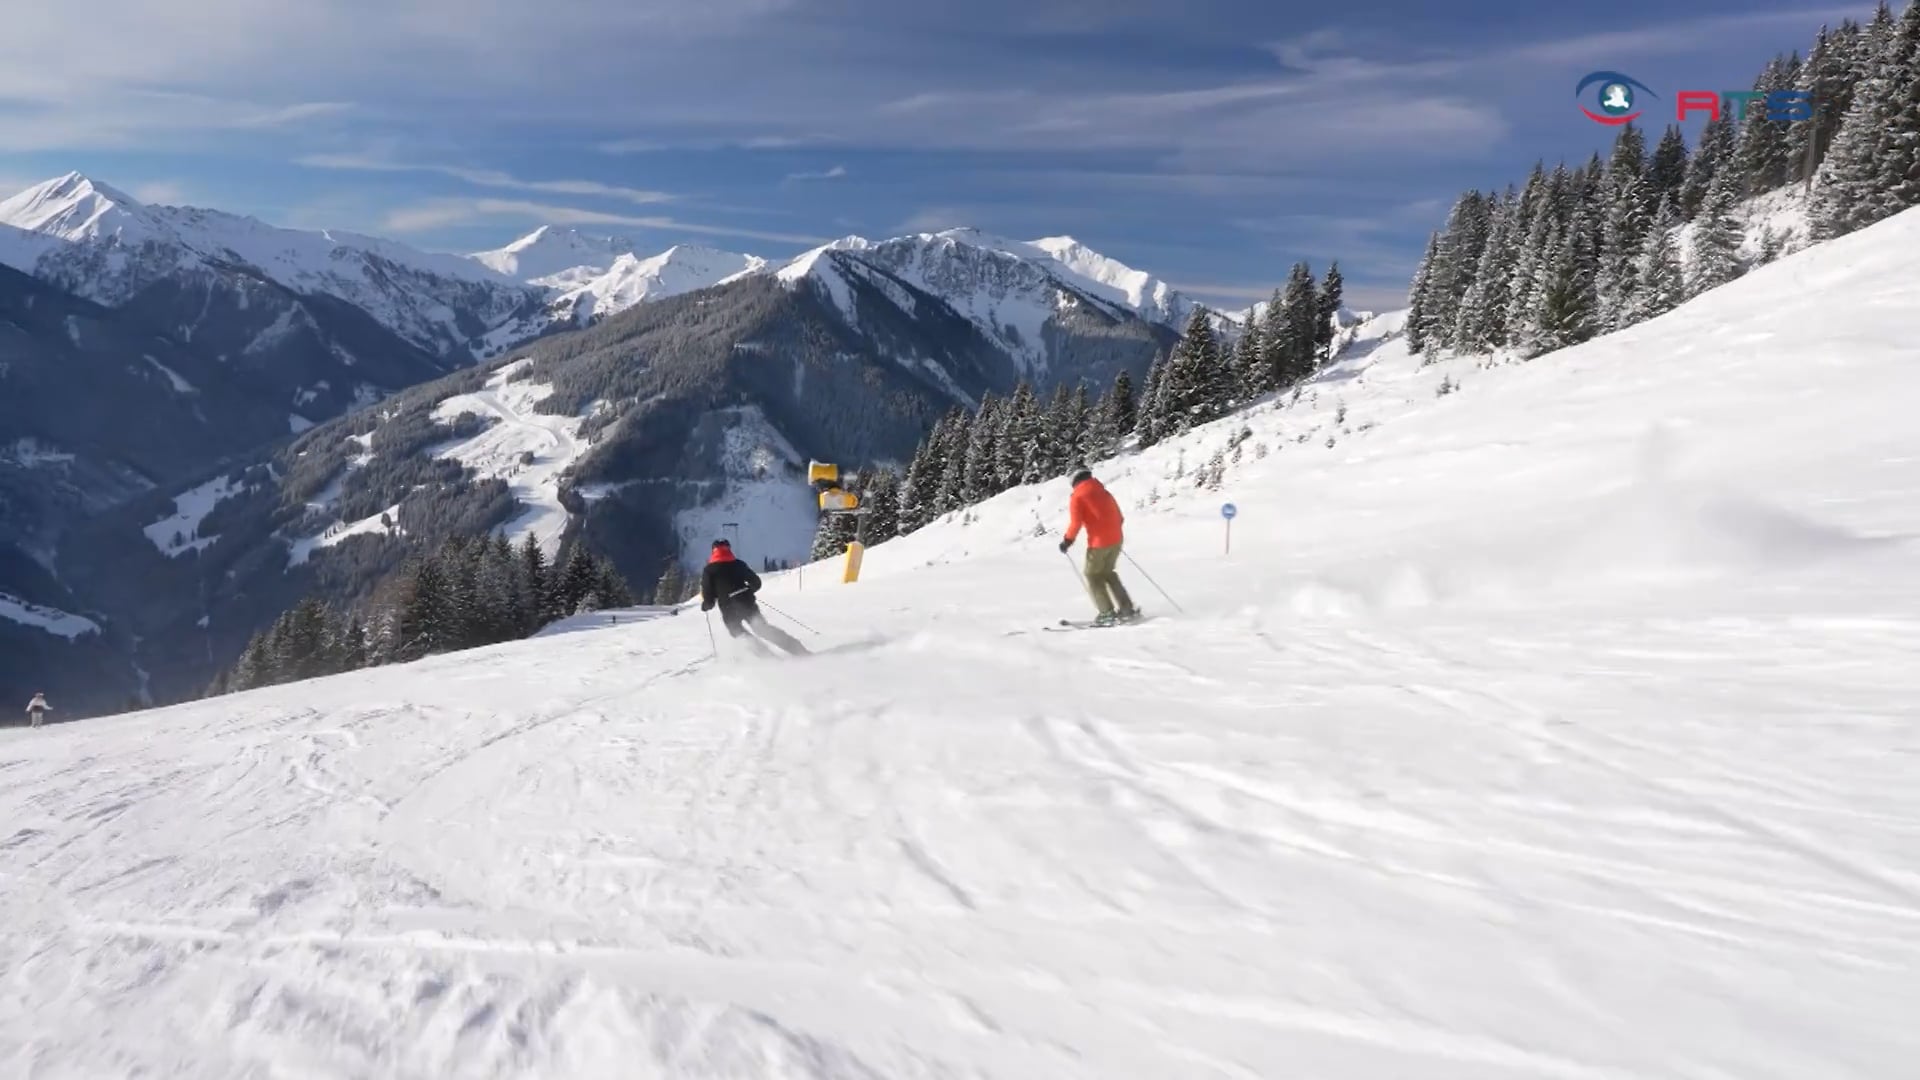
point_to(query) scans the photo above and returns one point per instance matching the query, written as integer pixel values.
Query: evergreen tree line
(1579, 252)
(473, 591)
(1017, 439)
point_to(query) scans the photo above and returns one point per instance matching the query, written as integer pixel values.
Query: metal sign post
(1228, 511)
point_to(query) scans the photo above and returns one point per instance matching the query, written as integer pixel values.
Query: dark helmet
(1080, 474)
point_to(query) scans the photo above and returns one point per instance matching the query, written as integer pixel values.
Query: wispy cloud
(435, 214)
(934, 219)
(838, 172)
(161, 192)
(1672, 38)
(488, 178)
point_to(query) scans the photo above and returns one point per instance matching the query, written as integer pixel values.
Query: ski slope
(527, 449)
(1559, 727)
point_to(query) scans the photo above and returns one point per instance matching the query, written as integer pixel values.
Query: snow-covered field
(52, 620)
(527, 449)
(1563, 726)
(179, 532)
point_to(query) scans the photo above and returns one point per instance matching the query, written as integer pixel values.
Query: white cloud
(161, 193)
(934, 219)
(441, 213)
(490, 178)
(836, 173)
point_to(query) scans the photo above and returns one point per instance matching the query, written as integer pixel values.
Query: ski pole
(1150, 581)
(712, 642)
(790, 618)
(1072, 569)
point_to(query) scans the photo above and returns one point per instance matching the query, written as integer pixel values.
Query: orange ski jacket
(1093, 507)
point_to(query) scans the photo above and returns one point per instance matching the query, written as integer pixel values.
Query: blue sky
(1211, 142)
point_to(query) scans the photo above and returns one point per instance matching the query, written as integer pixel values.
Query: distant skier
(731, 584)
(37, 709)
(1094, 507)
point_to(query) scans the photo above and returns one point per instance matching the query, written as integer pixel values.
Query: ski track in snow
(1516, 738)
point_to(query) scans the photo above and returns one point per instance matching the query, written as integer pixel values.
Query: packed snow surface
(52, 620)
(527, 449)
(1561, 726)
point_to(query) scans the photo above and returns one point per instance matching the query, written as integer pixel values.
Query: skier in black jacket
(731, 584)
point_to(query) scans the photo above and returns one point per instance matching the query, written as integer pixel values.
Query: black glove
(1065, 544)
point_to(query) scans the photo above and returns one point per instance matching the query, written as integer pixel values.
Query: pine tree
(672, 586)
(978, 477)
(424, 621)
(1482, 323)
(1873, 169)
(1717, 235)
(1469, 226)
(1716, 147)
(1826, 77)
(1122, 405)
(1423, 314)
(538, 609)
(1763, 145)
(1103, 428)
(1529, 278)
(1194, 378)
(1660, 283)
(953, 472)
(1019, 432)
(576, 580)
(1566, 311)
(1667, 172)
(1150, 409)
(1624, 234)
(1249, 362)
(1056, 433)
(920, 494)
(882, 501)
(1079, 425)
(831, 538)
(1331, 288)
(1291, 345)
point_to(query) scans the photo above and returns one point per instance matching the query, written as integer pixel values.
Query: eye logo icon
(1615, 97)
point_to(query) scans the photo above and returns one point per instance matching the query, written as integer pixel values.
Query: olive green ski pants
(1103, 580)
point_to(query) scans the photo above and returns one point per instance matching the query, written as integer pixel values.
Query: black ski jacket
(729, 583)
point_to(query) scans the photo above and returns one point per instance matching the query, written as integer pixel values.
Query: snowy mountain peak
(99, 243)
(72, 207)
(630, 279)
(549, 251)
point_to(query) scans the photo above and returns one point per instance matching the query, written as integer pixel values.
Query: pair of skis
(1066, 625)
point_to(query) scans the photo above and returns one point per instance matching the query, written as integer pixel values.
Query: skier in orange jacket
(1094, 507)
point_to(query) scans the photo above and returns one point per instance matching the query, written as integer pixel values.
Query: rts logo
(1613, 95)
(1616, 97)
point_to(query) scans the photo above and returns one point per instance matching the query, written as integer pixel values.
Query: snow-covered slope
(106, 246)
(631, 280)
(528, 449)
(550, 251)
(1559, 726)
(1153, 299)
